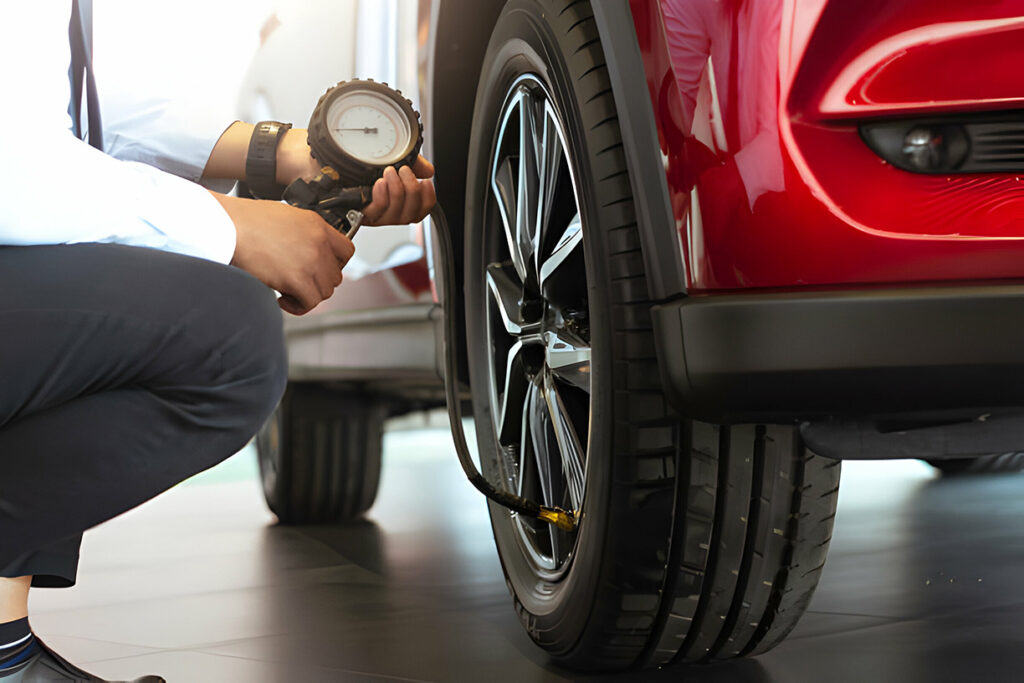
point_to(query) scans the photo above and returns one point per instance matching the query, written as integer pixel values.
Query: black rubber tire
(696, 542)
(1003, 463)
(320, 455)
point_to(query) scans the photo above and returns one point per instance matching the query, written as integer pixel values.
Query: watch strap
(261, 160)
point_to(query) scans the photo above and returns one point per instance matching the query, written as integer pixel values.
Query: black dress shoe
(46, 666)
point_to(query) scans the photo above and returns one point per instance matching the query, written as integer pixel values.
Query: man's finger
(341, 246)
(290, 304)
(379, 203)
(396, 197)
(423, 168)
(411, 207)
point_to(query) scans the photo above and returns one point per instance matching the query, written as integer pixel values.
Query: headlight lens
(974, 143)
(924, 148)
(920, 147)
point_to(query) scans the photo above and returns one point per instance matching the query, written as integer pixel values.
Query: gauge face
(369, 127)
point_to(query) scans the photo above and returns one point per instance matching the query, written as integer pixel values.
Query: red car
(710, 248)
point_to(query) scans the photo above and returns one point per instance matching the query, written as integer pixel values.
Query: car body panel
(802, 201)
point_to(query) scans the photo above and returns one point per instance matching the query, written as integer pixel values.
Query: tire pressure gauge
(357, 129)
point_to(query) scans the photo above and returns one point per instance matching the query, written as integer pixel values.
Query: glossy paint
(758, 102)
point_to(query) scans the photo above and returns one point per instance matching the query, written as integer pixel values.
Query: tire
(695, 541)
(320, 455)
(1004, 463)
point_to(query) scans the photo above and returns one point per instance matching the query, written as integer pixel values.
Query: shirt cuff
(188, 220)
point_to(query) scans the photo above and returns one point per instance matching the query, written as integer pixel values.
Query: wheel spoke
(506, 293)
(506, 398)
(525, 441)
(569, 447)
(505, 180)
(529, 187)
(553, 164)
(536, 431)
(566, 245)
(503, 186)
(568, 357)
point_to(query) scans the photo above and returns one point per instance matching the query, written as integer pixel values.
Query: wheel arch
(656, 224)
(460, 31)
(459, 36)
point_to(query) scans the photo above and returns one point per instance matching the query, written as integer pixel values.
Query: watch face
(370, 127)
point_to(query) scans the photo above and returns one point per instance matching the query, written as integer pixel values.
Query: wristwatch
(261, 161)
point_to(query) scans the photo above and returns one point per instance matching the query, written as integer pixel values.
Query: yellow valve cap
(566, 521)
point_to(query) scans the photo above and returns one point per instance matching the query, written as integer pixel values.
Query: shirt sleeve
(66, 192)
(59, 190)
(173, 135)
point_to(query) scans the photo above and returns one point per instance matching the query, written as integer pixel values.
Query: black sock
(17, 645)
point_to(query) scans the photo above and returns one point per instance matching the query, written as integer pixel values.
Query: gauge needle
(368, 131)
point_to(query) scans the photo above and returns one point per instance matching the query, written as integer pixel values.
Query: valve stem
(564, 520)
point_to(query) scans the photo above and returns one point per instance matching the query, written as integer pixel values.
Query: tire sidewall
(555, 614)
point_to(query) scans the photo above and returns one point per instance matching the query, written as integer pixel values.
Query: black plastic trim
(949, 352)
(863, 440)
(666, 276)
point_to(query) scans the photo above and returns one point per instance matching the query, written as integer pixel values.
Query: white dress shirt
(56, 189)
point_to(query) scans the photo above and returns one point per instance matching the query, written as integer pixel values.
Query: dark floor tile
(200, 667)
(200, 585)
(85, 651)
(179, 622)
(982, 645)
(815, 624)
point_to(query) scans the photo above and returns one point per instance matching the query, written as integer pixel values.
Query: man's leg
(14, 598)
(122, 372)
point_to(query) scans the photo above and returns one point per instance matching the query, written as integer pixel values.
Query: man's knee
(228, 353)
(256, 359)
(270, 352)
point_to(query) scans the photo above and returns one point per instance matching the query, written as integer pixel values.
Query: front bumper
(936, 353)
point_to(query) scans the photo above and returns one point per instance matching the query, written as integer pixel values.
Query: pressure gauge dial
(360, 127)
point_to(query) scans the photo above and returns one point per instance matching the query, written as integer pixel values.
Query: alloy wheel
(538, 320)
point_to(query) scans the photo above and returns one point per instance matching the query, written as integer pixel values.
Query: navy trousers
(123, 371)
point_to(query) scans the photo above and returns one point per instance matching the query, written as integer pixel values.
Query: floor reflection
(202, 585)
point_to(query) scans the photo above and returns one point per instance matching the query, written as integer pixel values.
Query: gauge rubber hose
(562, 519)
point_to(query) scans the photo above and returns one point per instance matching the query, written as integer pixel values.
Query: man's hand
(291, 250)
(401, 197)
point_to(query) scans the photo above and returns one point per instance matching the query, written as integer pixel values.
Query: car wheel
(986, 464)
(320, 455)
(695, 541)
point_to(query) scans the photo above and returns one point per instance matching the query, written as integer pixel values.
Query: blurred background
(258, 60)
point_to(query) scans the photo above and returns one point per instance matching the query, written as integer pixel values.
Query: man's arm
(294, 250)
(227, 160)
(406, 196)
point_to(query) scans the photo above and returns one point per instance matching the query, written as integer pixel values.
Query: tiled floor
(925, 583)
